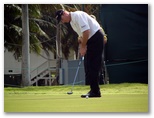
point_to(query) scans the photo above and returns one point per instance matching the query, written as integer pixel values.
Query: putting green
(115, 98)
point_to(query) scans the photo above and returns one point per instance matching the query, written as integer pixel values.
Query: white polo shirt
(81, 21)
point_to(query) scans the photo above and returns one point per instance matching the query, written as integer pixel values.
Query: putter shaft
(82, 58)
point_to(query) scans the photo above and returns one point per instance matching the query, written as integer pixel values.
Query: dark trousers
(93, 60)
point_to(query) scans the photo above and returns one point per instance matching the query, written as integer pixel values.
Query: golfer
(91, 45)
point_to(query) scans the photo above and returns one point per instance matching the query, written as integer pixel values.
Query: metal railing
(42, 70)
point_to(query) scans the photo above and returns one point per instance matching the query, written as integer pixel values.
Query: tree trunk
(25, 47)
(59, 51)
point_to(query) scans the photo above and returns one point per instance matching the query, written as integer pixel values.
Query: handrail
(43, 67)
(39, 69)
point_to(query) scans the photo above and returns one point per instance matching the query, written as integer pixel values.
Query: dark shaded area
(126, 26)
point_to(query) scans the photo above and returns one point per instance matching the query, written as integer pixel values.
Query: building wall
(12, 66)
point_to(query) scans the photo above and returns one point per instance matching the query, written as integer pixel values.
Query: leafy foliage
(42, 24)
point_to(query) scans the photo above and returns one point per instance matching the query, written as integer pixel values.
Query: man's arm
(83, 44)
(85, 38)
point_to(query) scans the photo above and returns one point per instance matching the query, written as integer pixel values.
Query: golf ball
(87, 97)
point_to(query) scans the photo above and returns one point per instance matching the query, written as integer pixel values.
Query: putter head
(69, 93)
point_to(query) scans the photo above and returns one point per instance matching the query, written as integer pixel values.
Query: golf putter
(71, 92)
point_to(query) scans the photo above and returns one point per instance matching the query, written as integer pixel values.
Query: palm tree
(41, 25)
(42, 29)
(13, 30)
(13, 34)
(25, 46)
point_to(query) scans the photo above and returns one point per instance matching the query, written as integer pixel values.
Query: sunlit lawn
(115, 98)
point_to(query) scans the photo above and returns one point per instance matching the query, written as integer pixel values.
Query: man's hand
(83, 43)
(105, 39)
(82, 50)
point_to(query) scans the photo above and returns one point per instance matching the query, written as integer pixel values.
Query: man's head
(59, 13)
(63, 16)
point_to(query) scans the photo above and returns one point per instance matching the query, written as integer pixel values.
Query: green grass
(115, 98)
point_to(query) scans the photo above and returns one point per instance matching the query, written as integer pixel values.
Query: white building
(40, 66)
